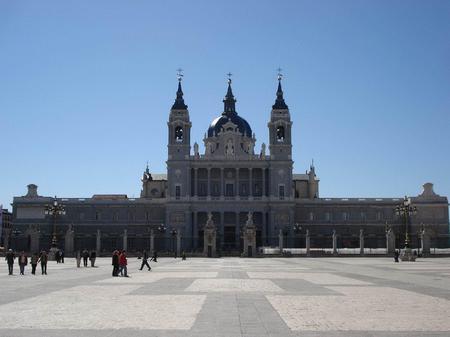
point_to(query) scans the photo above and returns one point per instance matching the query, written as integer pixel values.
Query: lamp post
(174, 233)
(297, 228)
(405, 210)
(54, 210)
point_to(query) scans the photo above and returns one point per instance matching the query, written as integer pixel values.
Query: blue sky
(86, 88)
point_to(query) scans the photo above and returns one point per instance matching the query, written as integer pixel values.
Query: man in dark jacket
(115, 263)
(23, 261)
(10, 260)
(85, 257)
(92, 257)
(144, 261)
(43, 258)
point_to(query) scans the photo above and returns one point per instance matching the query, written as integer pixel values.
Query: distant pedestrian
(43, 258)
(78, 258)
(85, 257)
(9, 257)
(57, 256)
(183, 256)
(115, 263)
(145, 261)
(92, 257)
(155, 256)
(123, 263)
(61, 255)
(34, 262)
(396, 255)
(23, 261)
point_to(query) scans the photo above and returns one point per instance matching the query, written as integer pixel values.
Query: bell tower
(280, 147)
(179, 125)
(179, 147)
(280, 141)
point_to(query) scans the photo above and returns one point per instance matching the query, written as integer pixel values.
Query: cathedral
(225, 186)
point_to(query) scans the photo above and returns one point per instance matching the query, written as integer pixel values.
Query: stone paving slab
(276, 297)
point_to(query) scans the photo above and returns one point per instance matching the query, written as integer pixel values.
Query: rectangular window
(177, 192)
(281, 192)
(327, 216)
(229, 190)
(116, 216)
(344, 216)
(311, 216)
(98, 215)
(378, 216)
(81, 216)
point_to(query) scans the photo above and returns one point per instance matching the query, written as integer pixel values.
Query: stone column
(189, 185)
(209, 241)
(361, 241)
(425, 242)
(195, 181)
(69, 241)
(263, 182)
(238, 232)
(179, 242)
(334, 242)
(280, 240)
(390, 242)
(195, 226)
(237, 183)
(221, 230)
(125, 240)
(98, 246)
(308, 243)
(152, 241)
(208, 189)
(249, 233)
(222, 183)
(250, 181)
(33, 233)
(264, 230)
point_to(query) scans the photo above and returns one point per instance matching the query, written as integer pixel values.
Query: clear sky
(86, 88)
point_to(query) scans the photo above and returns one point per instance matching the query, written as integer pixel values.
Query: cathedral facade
(225, 184)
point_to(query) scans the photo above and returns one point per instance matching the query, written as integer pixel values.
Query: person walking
(43, 259)
(78, 258)
(61, 255)
(57, 256)
(115, 263)
(85, 257)
(9, 257)
(155, 256)
(123, 263)
(34, 261)
(145, 261)
(23, 261)
(92, 257)
(396, 255)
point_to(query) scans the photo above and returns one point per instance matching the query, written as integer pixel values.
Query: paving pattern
(231, 297)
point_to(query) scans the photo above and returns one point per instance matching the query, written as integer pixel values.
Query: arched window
(179, 134)
(280, 133)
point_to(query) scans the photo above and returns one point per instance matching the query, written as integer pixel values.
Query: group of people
(86, 255)
(59, 256)
(120, 262)
(22, 260)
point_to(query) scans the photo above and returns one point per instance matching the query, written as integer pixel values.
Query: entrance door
(249, 251)
(229, 237)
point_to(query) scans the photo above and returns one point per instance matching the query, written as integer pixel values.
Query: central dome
(229, 115)
(219, 122)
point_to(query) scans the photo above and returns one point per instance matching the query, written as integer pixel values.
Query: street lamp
(162, 228)
(54, 210)
(297, 228)
(174, 233)
(405, 210)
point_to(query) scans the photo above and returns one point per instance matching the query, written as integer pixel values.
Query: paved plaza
(231, 297)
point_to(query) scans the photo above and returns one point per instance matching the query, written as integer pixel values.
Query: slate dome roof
(229, 114)
(219, 122)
